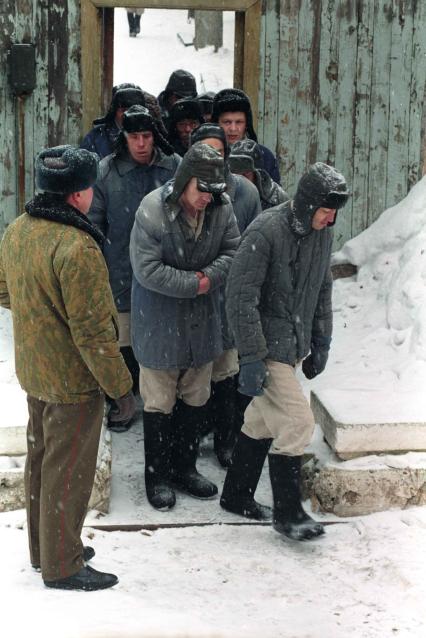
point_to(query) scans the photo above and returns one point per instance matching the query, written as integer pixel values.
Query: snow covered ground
(364, 579)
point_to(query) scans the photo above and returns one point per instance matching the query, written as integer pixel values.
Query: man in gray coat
(143, 161)
(181, 248)
(279, 309)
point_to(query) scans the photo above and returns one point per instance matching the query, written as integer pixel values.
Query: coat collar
(125, 162)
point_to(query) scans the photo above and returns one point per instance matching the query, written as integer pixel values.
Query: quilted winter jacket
(279, 289)
(172, 326)
(54, 279)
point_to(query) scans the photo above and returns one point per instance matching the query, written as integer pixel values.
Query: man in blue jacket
(143, 161)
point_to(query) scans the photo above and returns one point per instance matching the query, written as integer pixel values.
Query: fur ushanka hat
(66, 169)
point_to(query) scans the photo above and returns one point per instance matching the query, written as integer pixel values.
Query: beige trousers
(123, 329)
(226, 365)
(281, 413)
(160, 388)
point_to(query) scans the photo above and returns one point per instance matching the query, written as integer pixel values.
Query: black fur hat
(320, 186)
(138, 118)
(233, 100)
(209, 129)
(204, 163)
(246, 155)
(181, 83)
(66, 169)
(186, 109)
(206, 102)
(122, 95)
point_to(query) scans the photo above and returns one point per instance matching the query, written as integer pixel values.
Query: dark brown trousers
(63, 442)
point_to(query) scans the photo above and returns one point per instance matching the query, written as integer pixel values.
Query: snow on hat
(66, 169)
(182, 83)
(186, 109)
(138, 118)
(245, 155)
(231, 101)
(128, 96)
(320, 186)
(206, 130)
(206, 102)
(204, 163)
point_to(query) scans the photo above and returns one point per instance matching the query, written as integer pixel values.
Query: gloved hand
(125, 408)
(252, 377)
(315, 362)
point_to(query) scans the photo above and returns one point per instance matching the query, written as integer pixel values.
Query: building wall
(342, 81)
(52, 113)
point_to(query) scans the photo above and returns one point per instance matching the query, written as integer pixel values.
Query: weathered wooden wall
(343, 81)
(53, 110)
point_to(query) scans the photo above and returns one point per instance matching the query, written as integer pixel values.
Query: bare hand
(203, 286)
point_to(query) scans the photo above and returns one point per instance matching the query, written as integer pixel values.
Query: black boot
(243, 476)
(157, 441)
(87, 579)
(224, 419)
(131, 21)
(132, 365)
(137, 23)
(290, 518)
(185, 433)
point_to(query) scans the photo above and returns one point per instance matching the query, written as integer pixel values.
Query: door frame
(97, 37)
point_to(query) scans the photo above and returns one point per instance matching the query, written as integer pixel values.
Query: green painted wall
(343, 82)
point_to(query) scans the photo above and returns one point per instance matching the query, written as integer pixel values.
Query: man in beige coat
(54, 279)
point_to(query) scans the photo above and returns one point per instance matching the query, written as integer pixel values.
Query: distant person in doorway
(181, 84)
(232, 110)
(134, 20)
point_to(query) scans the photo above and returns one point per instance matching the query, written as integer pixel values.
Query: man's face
(81, 200)
(322, 217)
(215, 143)
(141, 146)
(192, 198)
(234, 124)
(184, 129)
(249, 175)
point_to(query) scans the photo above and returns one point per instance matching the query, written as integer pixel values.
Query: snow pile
(377, 369)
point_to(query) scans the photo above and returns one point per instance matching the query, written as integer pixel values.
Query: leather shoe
(88, 554)
(87, 579)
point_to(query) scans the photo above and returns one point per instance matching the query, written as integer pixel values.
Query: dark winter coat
(270, 164)
(279, 288)
(246, 204)
(172, 326)
(121, 186)
(54, 279)
(271, 193)
(101, 138)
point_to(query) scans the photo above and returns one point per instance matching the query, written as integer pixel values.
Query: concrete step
(367, 431)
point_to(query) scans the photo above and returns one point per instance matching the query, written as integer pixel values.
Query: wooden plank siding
(347, 88)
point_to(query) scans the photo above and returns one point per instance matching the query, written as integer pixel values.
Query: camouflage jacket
(54, 279)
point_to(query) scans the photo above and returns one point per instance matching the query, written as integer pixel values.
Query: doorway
(97, 46)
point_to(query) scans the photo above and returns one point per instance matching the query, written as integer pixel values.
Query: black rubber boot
(223, 411)
(290, 518)
(243, 476)
(185, 433)
(87, 579)
(157, 442)
(137, 23)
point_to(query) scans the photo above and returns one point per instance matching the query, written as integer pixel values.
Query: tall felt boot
(137, 23)
(224, 415)
(132, 365)
(157, 441)
(290, 518)
(243, 476)
(186, 440)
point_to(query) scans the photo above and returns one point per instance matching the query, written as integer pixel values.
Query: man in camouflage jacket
(54, 279)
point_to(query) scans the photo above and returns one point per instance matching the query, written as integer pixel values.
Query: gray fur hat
(245, 156)
(204, 163)
(66, 169)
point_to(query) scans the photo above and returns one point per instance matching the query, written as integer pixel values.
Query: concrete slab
(366, 485)
(359, 434)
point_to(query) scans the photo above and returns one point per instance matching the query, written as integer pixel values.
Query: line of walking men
(177, 305)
